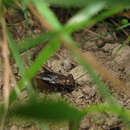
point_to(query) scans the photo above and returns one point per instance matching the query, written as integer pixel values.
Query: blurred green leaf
(31, 42)
(13, 96)
(83, 17)
(48, 15)
(10, 3)
(88, 21)
(47, 110)
(82, 3)
(121, 112)
(25, 11)
(16, 54)
(20, 64)
(44, 125)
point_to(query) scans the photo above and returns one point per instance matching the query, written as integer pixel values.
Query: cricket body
(55, 81)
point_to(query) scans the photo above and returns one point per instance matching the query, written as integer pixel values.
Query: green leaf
(87, 19)
(31, 42)
(25, 10)
(81, 18)
(123, 113)
(16, 54)
(48, 15)
(47, 110)
(9, 3)
(44, 125)
(83, 3)
(20, 64)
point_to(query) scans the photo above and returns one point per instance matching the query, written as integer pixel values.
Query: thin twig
(6, 73)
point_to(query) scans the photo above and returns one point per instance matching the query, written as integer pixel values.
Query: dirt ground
(85, 93)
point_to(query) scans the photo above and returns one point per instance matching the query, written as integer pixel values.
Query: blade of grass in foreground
(48, 15)
(87, 22)
(83, 17)
(82, 3)
(31, 42)
(16, 54)
(20, 64)
(121, 112)
(25, 11)
(46, 109)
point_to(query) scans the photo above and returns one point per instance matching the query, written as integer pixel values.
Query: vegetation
(49, 109)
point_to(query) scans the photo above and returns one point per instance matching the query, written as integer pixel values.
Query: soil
(85, 93)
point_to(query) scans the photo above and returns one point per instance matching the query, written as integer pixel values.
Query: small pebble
(85, 124)
(14, 127)
(67, 64)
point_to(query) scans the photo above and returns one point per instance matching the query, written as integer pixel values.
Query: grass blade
(123, 113)
(31, 42)
(82, 3)
(83, 17)
(20, 64)
(89, 21)
(45, 11)
(46, 110)
(16, 54)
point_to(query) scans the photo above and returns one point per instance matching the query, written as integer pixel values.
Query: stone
(100, 43)
(85, 124)
(67, 64)
(80, 75)
(109, 47)
(14, 127)
(89, 91)
(123, 56)
(77, 94)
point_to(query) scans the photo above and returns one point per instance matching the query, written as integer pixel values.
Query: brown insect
(55, 82)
